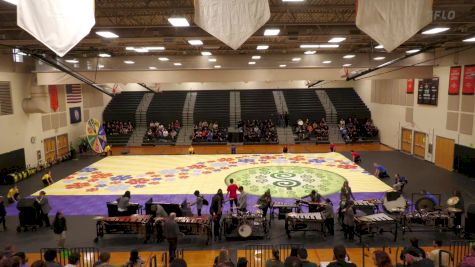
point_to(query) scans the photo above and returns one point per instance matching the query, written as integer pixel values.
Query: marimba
(133, 224)
(368, 206)
(424, 221)
(192, 226)
(375, 223)
(312, 221)
(283, 208)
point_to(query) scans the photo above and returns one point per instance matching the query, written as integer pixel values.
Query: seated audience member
(303, 255)
(339, 254)
(275, 260)
(414, 246)
(259, 131)
(23, 259)
(242, 262)
(413, 257)
(469, 260)
(104, 258)
(134, 260)
(50, 258)
(293, 257)
(355, 156)
(436, 253)
(223, 258)
(39, 263)
(178, 263)
(380, 171)
(13, 194)
(381, 259)
(73, 259)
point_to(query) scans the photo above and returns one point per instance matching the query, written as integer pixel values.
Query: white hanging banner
(58, 24)
(231, 21)
(390, 22)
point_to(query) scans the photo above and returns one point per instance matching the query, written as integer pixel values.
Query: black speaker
(470, 220)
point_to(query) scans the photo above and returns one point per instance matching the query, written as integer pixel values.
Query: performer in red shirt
(332, 147)
(232, 193)
(355, 156)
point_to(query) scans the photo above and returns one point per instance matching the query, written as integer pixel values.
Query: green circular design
(287, 181)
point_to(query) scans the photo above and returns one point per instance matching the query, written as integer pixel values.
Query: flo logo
(287, 181)
(444, 15)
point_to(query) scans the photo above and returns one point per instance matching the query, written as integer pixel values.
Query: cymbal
(455, 210)
(453, 201)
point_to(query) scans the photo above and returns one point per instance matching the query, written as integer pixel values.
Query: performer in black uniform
(264, 202)
(315, 199)
(216, 211)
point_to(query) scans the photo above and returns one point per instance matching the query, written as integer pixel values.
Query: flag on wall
(75, 115)
(53, 97)
(410, 86)
(468, 80)
(73, 93)
(454, 80)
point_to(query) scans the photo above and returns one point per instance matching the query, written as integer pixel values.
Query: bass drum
(245, 230)
(425, 204)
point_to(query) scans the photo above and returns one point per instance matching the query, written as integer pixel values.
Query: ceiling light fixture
(262, 47)
(472, 39)
(329, 46)
(217, 66)
(129, 62)
(337, 40)
(153, 48)
(107, 34)
(293, 0)
(152, 68)
(271, 32)
(412, 51)
(177, 64)
(310, 52)
(282, 66)
(104, 55)
(129, 48)
(163, 59)
(141, 50)
(319, 46)
(348, 56)
(100, 66)
(195, 42)
(179, 22)
(436, 30)
(346, 65)
(206, 53)
(379, 58)
(256, 57)
(212, 59)
(73, 61)
(379, 47)
(251, 63)
(296, 59)
(327, 62)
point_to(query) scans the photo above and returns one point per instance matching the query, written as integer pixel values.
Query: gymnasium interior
(370, 104)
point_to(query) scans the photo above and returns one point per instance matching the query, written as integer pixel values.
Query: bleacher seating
(122, 107)
(258, 105)
(166, 107)
(303, 104)
(212, 106)
(348, 103)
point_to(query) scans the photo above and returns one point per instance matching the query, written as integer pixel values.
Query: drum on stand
(245, 230)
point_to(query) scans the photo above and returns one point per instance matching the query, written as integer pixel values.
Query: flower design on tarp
(261, 180)
(117, 187)
(93, 189)
(246, 160)
(219, 164)
(316, 161)
(137, 181)
(121, 177)
(82, 178)
(139, 186)
(101, 175)
(346, 166)
(156, 179)
(77, 185)
(100, 185)
(168, 172)
(88, 169)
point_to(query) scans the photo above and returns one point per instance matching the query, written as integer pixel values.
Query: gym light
(163, 59)
(104, 55)
(337, 39)
(436, 30)
(412, 51)
(256, 57)
(195, 42)
(327, 62)
(262, 47)
(179, 22)
(348, 56)
(107, 34)
(296, 59)
(271, 32)
(129, 62)
(379, 58)
(310, 52)
(206, 53)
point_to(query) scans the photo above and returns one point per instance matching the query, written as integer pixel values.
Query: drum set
(244, 225)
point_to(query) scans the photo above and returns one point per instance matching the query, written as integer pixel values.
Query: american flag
(73, 93)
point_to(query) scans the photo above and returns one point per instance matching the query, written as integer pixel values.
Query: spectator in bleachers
(341, 259)
(292, 259)
(73, 259)
(353, 130)
(135, 260)
(204, 132)
(434, 255)
(23, 259)
(223, 258)
(39, 263)
(275, 260)
(469, 260)
(118, 127)
(178, 263)
(104, 259)
(306, 130)
(381, 259)
(158, 132)
(259, 131)
(50, 258)
(303, 255)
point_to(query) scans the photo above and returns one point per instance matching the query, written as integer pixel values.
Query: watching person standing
(45, 208)
(59, 228)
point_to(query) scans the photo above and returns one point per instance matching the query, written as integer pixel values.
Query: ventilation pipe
(37, 100)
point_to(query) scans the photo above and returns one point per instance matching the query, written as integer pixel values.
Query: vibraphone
(134, 224)
(283, 208)
(375, 223)
(423, 221)
(244, 225)
(369, 206)
(312, 221)
(192, 226)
